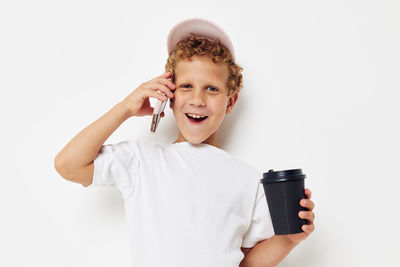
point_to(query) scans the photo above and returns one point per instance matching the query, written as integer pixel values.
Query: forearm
(84, 147)
(268, 252)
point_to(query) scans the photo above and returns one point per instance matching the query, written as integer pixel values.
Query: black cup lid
(281, 176)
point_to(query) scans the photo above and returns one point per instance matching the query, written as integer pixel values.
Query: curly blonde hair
(194, 45)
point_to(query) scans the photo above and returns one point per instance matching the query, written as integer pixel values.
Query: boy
(188, 203)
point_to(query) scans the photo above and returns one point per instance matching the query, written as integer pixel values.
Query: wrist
(123, 109)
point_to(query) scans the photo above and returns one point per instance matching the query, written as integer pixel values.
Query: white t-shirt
(186, 205)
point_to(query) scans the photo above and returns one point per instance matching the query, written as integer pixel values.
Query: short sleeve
(261, 225)
(116, 166)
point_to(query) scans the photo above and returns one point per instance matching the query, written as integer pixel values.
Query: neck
(211, 140)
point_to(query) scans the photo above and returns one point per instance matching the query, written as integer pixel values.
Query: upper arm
(87, 174)
(82, 175)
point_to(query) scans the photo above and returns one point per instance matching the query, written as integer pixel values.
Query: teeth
(196, 116)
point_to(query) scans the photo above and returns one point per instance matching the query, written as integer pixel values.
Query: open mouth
(196, 119)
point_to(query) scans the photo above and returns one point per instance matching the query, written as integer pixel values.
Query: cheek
(219, 108)
(177, 103)
(179, 100)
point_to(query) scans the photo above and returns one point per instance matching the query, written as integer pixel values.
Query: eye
(214, 89)
(185, 87)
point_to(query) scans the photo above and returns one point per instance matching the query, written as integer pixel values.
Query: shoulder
(246, 175)
(148, 147)
(140, 143)
(235, 164)
(126, 147)
(147, 144)
(244, 166)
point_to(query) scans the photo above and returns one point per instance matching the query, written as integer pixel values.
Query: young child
(189, 203)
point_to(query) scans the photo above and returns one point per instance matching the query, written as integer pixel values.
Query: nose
(197, 98)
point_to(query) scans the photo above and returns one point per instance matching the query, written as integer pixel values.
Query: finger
(167, 82)
(162, 88)
(307, 215)
(168, 85)
(308, 228)
(307, 203)
(308, 193)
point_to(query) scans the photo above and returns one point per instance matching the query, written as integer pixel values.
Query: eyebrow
(209, 84)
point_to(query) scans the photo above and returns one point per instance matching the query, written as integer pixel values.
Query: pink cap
(201, 27)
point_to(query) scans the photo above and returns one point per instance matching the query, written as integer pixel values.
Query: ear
(231, 102)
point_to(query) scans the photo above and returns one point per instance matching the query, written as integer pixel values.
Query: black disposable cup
(284, 190)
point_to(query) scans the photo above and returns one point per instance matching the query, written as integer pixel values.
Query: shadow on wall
(231, 120)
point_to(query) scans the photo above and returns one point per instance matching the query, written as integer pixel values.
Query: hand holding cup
(290, 205)
(307, 215)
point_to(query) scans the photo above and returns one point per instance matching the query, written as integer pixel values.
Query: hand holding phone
(137, 102)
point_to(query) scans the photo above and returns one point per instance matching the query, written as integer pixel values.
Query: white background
(321, 93)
